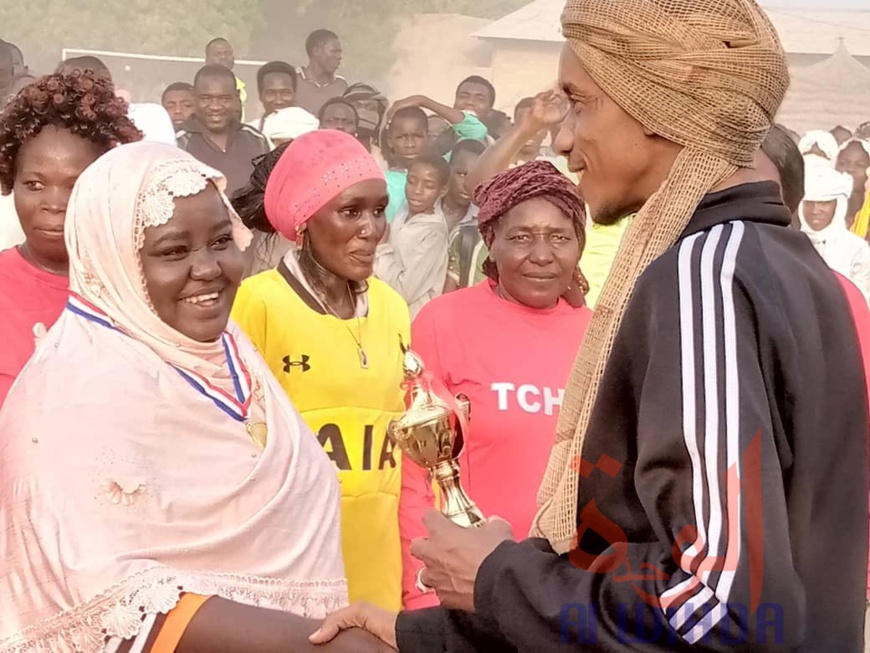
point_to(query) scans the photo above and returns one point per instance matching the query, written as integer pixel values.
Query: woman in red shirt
(51, 131)
(507, 344)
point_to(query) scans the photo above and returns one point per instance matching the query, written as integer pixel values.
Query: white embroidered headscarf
(139, 182)
(121, 486)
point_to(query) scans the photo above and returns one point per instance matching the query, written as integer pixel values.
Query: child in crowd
(437, 126)
(465, 118)
(497, 125)
(338, 113)
(371, 108)
(457, 207)
(412, 258)
(466, 251)
(179, 101)
(406, 140)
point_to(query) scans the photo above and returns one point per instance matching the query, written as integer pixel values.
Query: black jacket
(237, 162)
(724, 473)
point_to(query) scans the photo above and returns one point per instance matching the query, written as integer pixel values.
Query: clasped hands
(452, 556)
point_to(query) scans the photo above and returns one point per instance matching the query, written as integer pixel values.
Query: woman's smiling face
(193, 267)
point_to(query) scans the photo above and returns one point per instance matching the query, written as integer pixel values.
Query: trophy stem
(456, 505)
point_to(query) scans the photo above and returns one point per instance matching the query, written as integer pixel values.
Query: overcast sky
(817, 4)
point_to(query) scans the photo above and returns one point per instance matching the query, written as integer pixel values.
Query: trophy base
(456, 505)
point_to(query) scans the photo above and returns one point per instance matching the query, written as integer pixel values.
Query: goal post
(145, 76)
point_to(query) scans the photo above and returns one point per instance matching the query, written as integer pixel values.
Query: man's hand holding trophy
(431, 433)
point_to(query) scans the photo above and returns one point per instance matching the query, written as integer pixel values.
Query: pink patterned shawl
(120, 484)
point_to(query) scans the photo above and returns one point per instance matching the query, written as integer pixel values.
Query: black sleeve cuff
(484, 584)
(421, 631)
(438, 630)
(504, 555)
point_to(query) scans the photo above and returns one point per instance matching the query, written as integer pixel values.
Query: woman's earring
(579, 280)
(300, 239)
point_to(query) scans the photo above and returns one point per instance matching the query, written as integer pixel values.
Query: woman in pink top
(506, 343)
(49, 134)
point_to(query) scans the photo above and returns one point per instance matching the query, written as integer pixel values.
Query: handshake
(452, 556)
(377, 621)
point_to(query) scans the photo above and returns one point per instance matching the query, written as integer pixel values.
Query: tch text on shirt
(529, 398)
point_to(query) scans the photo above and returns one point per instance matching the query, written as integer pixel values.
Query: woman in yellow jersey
(333, 335)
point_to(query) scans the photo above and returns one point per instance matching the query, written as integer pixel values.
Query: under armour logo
(300, 363)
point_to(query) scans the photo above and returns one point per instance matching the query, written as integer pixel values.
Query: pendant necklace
(259, 432)
(257, 428)
(361, 352)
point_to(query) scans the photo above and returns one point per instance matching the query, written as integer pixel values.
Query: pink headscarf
(313, 170)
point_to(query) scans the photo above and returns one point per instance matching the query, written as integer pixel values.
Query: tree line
(258, 29)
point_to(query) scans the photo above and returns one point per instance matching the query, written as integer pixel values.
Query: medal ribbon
(237, 406)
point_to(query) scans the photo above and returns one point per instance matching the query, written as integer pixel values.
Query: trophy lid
(412, 365)
(432, 427)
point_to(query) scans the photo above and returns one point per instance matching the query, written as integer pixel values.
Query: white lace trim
(169, 180)
(155, 206)
(119, 611)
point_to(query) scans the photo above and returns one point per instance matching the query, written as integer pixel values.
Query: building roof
(802, 31)
(820, 32)
(537, 21)
(833, 92)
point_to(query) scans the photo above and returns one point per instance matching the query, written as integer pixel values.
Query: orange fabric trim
(177, 622)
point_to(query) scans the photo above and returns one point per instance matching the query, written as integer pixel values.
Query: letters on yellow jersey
(315, 358)
(332, 440)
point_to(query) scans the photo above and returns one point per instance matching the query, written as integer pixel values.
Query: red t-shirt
(861, 316)
(28, 296)
(512, 362)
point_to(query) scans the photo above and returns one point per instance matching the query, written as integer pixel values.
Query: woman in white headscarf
(158, 491)
(823, 219)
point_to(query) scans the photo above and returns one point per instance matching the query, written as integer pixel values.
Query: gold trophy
(430, 433)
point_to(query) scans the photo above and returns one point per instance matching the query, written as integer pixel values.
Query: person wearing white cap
(154, 122)
(819, 146)
(288, 124)
(823, 219)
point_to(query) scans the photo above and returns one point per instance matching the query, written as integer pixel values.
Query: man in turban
(707, 489)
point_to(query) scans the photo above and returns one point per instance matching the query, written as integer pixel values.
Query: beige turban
(706, 74)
